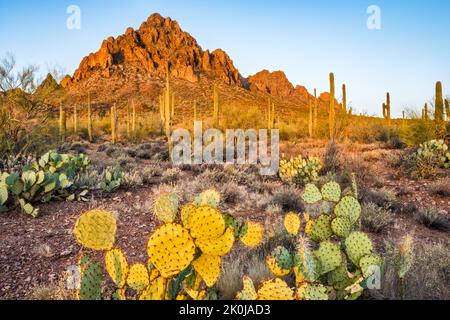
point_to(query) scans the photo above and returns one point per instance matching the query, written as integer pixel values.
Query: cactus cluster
(49, 178)
(333, 261)
(435, 150)
(300, 170)
(184, 259)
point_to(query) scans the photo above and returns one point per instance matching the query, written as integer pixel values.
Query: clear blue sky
(306, 39)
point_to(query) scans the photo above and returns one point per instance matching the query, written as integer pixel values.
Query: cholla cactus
(300, 170)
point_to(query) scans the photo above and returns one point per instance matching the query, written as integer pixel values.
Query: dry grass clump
(432, 218)
(375, 219)
(440, 188)
(52, 291)
(288, 199)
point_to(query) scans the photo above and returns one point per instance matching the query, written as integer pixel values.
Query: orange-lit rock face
(147, 50)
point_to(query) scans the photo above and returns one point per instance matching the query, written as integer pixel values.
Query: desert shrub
(332, 158)
(440, 188)
(374, 218)
(300, 170)
(432, 218)
(288, 199)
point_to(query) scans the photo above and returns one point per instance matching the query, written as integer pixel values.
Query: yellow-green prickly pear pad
(138, 278)
(208, 198)
(275, 289)
(313, 292)
(320, 229)
(96, 230)
(331, 192)
(253, 236)
(155, 291)
(171, 249)
(206, 223)
(292, 223)
(208, 267)
(341, 226)
(220, 246)
(166, 207)
(348, 207)
(368, 264)
(311, 194)
(117, 267)
(186, 212)
(248, 292)
(329, 256)
(357, 246)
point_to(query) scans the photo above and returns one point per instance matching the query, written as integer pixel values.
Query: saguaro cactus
(310, 122)
(133, 120)
(331, 113)
(387, 108)
(62, 123)
(113, 124)
(344, 98)
(439, 113)
(128, 121)
(216, 106)
(167, 110)
(315, 112)
(75, 119)
(89, 118)
(425, 112)
(447, 109)
(270, 115)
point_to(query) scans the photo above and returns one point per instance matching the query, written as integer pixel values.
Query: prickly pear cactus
(275, 268)
(329, 256)
(91, 282)
(155, 291)
(209, 198)
(321, 229)
(312, 194)
(367, 264)
(96, 230)
(349, 208)
(292, 223)
(275, 289)
(331, 192)
(206, 223)
(252, 234)
(185, 213)
(341, 227)
(166, 207)
(300, 170)
(171, 249)
(218, 247)
(117, 267)
(208, 267)
(357, 246)
(138, 278)
(314, 292)
(248, 292)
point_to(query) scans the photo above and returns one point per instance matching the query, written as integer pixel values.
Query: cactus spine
(331, 115)
(62, 123)
(310, 122)
(216, 105)
(75, 119)
(89, 120)
(344, 98)
(439, 113)
(113, 124)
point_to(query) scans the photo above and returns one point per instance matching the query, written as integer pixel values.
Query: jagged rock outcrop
(275, 83)
(147, 50)
(47, 86)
